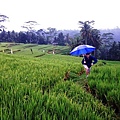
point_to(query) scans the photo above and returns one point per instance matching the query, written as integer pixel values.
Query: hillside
(35, 88)
(115, 31)
(33, 49)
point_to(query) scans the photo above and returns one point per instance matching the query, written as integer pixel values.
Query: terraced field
(35, 88)
(33, 49)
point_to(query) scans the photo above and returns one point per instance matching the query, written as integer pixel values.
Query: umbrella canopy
(82, 49)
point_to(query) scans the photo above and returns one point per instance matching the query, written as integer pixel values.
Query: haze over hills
(115, 31)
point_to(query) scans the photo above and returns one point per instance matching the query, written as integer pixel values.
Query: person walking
(31, 50)
(88, 61)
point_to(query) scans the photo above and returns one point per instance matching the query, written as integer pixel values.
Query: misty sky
(61, 14)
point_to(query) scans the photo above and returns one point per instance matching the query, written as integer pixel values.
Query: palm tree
(85, 31)
(114, 51)
(106, 40)
(89, 35)
(3, 18)
(52, 33)
(95, 39)
(30, 25)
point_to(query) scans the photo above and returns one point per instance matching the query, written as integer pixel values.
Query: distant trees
(3, 18)
(32, 35)
(51, 34)
(22, 38)
(104, 42)
(60, 39)
(30, 25)
(106, 46)
(114, 51)
(107, 49)
(107, 40)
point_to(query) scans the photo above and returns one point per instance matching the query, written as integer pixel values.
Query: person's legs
(87, 72)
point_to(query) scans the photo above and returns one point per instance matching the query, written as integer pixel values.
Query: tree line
(106, 47)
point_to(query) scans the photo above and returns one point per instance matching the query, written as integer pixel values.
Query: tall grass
(105, 82)
(34, 89)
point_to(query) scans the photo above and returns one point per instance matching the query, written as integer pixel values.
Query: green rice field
(33, 85)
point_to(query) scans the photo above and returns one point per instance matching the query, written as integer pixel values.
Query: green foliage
(38, 50)
(105, 82)
(34, 88)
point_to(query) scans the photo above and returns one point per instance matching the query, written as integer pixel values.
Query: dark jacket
(88, 61)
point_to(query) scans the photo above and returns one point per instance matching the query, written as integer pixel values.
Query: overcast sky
(61, 14)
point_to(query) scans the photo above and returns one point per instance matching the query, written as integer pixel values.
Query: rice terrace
(43, 82)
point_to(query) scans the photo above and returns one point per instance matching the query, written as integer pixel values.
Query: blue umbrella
(82, 49)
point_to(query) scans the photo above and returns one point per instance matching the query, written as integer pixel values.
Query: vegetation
(87, 35)
(33, 49)
(34, 88)
(103, 42)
